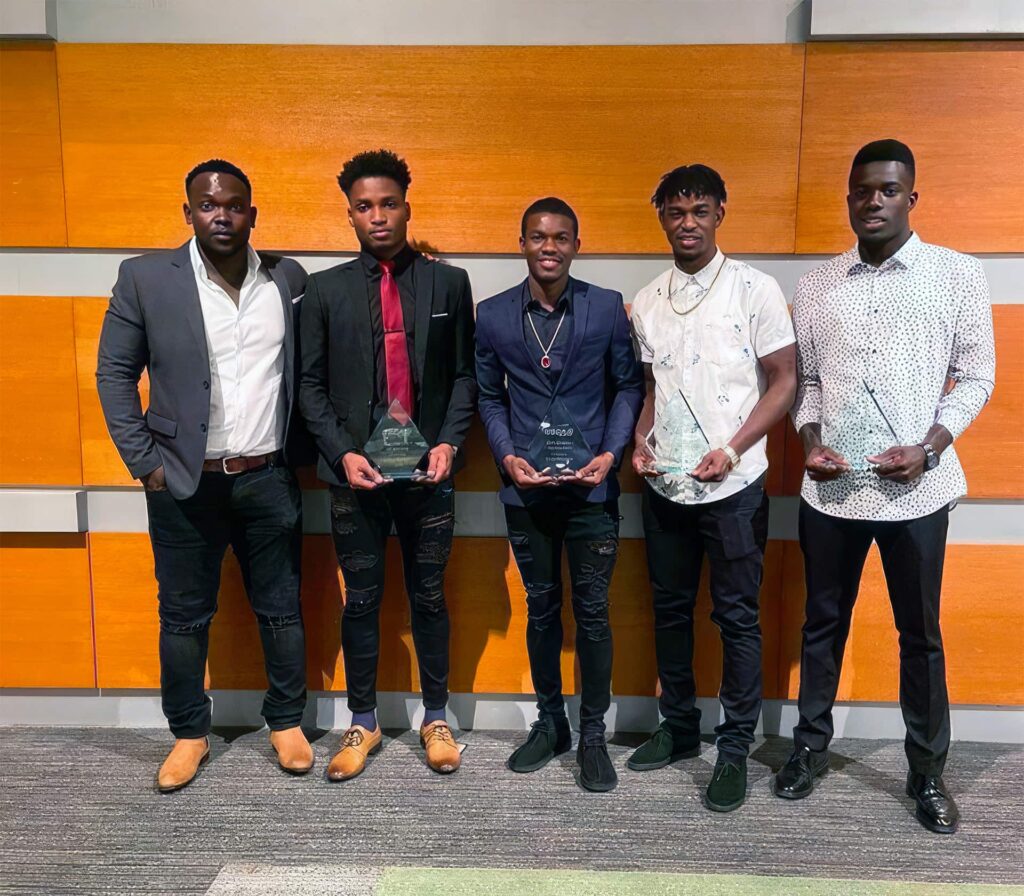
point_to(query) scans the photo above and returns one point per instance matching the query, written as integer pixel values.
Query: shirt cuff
(954, 419)
(806, 410)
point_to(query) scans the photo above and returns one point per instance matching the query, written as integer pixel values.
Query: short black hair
(887, 150)
(689, 181)
(221, 167)
(374, 163)
(551, 205)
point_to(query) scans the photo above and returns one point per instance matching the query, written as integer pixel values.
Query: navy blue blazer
(601, 383)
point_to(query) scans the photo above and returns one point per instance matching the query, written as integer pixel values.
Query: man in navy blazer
(553, 349)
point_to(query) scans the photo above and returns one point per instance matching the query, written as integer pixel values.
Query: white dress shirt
(710, 353)
(246, 347)
(918, 331)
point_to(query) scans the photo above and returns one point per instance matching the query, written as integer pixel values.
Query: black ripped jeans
(260, 515)
(424, 518)
(590, 532)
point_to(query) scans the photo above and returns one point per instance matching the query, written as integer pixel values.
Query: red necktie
(396, 352)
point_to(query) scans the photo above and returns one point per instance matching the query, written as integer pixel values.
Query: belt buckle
(224, 467)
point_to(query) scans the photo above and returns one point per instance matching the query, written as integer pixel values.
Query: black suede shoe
(547, 739)
(728, 787)
(663, 747)
(795, 779)
(936, 809)
(596, 770)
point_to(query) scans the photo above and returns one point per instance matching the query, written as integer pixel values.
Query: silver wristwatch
(931, 457)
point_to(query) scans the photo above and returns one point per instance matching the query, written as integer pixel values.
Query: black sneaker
(728, 787)
(795, 779)
(547, 740)
(662, 748)
(596, 770)
(936, 809)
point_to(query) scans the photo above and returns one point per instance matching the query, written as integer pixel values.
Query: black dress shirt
(546, 323)
(404, 277)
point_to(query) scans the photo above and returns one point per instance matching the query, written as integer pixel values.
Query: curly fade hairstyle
(374, 163)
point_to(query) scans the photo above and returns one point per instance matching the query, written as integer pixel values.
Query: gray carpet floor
(79, 814)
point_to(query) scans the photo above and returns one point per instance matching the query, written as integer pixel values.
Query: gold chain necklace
(707, 292)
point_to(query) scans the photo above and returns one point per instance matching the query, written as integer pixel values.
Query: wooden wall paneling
(39, 439)
(982, 624)
(46, 636)
(461, 116)
(31, 175)
(959, 105)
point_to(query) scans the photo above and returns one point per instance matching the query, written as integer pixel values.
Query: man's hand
(901, 463)
(154, 481)
(439, 466)
(823, 464)
(523, 475)
(644, 463)
(594, 473)
(360, 473)
(713, 467)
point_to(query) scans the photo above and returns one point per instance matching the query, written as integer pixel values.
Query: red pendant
(545, 362)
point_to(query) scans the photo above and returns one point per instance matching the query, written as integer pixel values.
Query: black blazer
(155, 322)
(337, 381)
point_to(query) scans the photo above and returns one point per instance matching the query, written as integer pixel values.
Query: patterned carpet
(79, 814)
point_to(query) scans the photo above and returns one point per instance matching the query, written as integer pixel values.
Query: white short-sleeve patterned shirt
(711, 355)
(918, 329)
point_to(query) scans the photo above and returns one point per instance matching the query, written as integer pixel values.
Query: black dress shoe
(728, 787)
(936, 809)
(795, 779)
(547, 739)
(596, 770)
(663, 747)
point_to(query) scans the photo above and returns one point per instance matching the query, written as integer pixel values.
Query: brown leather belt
(232, 466)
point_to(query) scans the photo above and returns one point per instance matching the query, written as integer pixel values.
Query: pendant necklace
(545, 358)
(704, 295)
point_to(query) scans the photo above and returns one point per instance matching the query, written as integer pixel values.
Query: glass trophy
(397, 447)
(558, 448)
(677, 441)
(861, 429)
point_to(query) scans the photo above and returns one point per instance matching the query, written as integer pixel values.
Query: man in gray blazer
(215, 325)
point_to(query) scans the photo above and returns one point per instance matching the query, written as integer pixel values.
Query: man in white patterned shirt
(896, 359)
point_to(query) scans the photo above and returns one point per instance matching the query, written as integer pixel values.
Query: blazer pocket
(162, 425)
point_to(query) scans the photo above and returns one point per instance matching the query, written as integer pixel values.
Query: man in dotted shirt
(895, 360)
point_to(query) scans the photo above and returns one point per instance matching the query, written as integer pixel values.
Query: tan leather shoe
(182, 763)
(356, 744)
(294, 754)
(442, 752)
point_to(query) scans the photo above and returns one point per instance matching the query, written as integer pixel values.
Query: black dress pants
(259, 515)
(590, 533)
(732, 532)
(361, 521)
(912, 553)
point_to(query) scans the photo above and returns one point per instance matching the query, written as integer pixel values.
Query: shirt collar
(402, 260)
(564, 300)
(904, 258)
(706, 275)
(199, 264)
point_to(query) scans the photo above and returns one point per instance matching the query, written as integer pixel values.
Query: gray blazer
(155, 322)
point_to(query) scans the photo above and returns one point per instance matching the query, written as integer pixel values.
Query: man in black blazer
(389, 325)
(214, 323)
(551, 343)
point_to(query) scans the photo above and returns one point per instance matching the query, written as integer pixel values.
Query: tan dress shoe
(294, 754)
(182, 763)
(356, 744)
(443, 754)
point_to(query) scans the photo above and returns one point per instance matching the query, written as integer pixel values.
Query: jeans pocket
(737, 537)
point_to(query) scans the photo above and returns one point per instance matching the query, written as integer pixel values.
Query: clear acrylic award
(397, 447)
(558, 448)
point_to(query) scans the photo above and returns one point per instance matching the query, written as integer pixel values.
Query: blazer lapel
(184, 279)
(424, 281)
(289, 321)
(359, 299)
(519, 333)
(580, 313)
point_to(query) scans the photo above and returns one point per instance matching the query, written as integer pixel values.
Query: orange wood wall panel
(958, 105)
(982, 625)
(45, 612)
(101, 464)
(466, 118)
(39, 437)
(31, 177)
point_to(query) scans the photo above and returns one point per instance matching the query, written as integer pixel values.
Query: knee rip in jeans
(434, 553)
(543, 603)
(342, 509)
(592, 619)
(359, 601)
(429, 595)
(188, 629)
(274, 623)
(357, 561)
(591, 578)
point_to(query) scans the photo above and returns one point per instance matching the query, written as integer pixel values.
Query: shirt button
(206, 384)
(202, 427)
